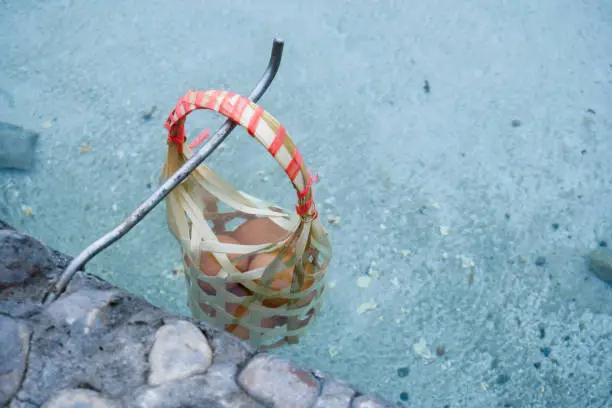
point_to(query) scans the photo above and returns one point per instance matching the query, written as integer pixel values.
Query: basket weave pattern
(252, 268)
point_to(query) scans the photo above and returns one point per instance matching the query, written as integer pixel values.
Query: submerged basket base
(239, 311)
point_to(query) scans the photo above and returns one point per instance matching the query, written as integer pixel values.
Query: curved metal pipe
(181, 174)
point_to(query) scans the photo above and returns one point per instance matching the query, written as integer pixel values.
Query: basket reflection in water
(252, 268)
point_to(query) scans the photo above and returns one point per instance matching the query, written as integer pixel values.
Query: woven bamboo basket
(252, 268)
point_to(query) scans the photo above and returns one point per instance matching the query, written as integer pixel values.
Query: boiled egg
(259, 231)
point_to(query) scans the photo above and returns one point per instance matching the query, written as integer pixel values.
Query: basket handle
(260, 125)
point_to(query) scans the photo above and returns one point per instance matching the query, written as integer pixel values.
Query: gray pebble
(17, 147)
(267, 379)
(600, 262)
(180, 350)
(540, 261)
(502, 379)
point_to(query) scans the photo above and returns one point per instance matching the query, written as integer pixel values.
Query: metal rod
(181, 174)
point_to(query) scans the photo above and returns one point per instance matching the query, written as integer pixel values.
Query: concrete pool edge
(100, 346)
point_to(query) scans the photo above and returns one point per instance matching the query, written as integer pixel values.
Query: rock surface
(21, 257)
(100, 347)
(600, 262)
(17, 147)
(77, 398)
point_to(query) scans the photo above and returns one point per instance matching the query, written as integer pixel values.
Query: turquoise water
(462, 233)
